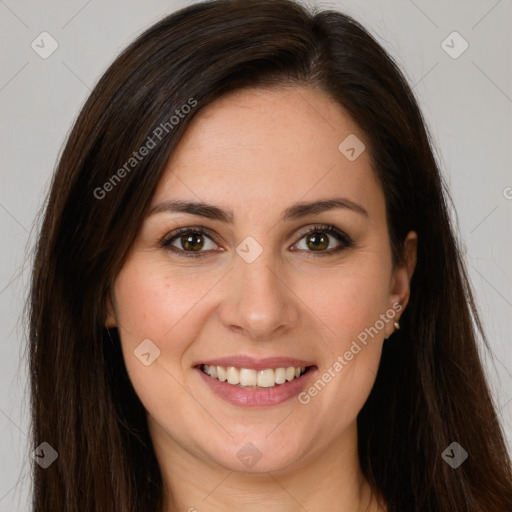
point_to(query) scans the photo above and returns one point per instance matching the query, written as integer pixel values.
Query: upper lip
(242, 361)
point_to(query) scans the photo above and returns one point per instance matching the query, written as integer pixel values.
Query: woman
(247, 293)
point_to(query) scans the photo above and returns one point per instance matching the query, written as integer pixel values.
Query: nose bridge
(256, 299)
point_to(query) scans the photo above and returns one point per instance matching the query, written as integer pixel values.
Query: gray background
(467, 102)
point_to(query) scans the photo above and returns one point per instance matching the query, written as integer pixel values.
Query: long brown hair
(430, 389)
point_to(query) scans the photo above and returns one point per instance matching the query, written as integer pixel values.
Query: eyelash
(345, 241)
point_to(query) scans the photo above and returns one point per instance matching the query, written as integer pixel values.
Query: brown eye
(323, 240)
(188, 241)
(192, 242)
(317, 241)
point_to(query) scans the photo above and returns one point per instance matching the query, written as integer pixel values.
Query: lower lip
(261, 397)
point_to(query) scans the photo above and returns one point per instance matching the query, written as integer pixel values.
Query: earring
(396, 324)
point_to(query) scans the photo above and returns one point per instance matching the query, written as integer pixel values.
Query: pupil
(190, 241)
(318, 241)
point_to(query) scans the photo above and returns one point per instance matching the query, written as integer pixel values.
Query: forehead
(254, 148)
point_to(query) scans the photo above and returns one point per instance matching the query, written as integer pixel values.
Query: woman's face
(256, 285)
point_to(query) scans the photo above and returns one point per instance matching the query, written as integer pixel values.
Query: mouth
(248, 382)
(249, 378)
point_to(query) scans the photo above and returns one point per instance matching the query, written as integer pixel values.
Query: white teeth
(221, 373)
(233, 375)
(247, 377)
(280, 375)
(266, 378)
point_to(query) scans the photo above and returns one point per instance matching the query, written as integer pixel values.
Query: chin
(257, 454)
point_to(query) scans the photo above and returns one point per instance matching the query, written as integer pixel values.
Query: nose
(257, 300)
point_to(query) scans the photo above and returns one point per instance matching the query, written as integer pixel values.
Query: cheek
(163, 308)
(352, 300)
(353, 305)
(157, 304)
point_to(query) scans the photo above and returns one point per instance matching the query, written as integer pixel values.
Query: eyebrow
(294, 212)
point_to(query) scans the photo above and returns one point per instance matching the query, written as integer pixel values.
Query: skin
(257, 152)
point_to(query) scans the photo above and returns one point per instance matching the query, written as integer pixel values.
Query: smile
(254, 379)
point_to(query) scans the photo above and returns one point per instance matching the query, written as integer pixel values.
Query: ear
(400, 285)
(110, 315)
